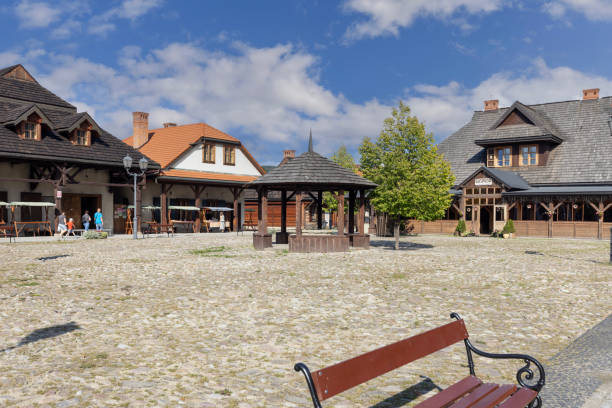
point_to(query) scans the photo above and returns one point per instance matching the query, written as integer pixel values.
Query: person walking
(61, 224)
(99, 220)
(85, 220)
(70, 226)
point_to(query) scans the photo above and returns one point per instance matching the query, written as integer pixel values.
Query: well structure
(311, 174)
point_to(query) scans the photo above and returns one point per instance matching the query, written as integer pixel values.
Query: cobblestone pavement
(583, 367)
(205, 321)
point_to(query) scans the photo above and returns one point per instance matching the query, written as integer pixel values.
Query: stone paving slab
(582, 369)
(206, 321)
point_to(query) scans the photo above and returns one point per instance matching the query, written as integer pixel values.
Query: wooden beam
(283, 211)
(340, 198)
(319, 210)
(298, 214)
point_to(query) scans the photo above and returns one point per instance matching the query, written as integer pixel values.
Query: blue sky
(268, 71)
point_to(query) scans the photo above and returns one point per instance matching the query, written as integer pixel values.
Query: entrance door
(486, 219)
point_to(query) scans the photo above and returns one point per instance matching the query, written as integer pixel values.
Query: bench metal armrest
(524, 374)
(313, 392)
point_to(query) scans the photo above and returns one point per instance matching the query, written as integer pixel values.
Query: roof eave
(526, 139)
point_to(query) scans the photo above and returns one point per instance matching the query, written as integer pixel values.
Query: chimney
(590, 94)
(169, 124)
(140, 133)
(491, 105)
(287, 155)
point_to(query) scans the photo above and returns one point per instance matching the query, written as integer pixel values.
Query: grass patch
(208, 250)
(399, 275)
(93, 360)
(28, 284)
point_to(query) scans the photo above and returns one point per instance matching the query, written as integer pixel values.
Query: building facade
(546, 166)
(201, 167)
(51, 153)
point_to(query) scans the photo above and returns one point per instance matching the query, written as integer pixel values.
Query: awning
(222, 209)
(146, 207)
(184, 207)
(29, 204)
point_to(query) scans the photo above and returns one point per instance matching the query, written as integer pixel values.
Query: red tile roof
(205, 175)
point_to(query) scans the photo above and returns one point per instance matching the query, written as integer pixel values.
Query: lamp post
(143, 164)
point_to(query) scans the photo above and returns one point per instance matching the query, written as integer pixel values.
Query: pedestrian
(99, 220)
(222, 222)
(70, 226)
(86, 219)
(61, 224)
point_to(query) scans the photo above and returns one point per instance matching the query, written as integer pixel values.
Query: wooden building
(546, 166)
(49, 152)
(201, 167)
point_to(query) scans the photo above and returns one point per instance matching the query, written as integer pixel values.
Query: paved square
(205, 321)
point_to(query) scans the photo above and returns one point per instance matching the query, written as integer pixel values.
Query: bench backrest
(338, 378)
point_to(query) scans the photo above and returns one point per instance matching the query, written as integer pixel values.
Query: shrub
(509, 227)
(95, 235)
(461, 228)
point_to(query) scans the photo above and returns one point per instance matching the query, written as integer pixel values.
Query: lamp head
(143, 163)
(127, 162)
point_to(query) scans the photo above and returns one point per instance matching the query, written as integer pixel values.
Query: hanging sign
(484, 181)
(58, 194)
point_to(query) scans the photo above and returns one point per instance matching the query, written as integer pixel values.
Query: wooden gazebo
(312, 173)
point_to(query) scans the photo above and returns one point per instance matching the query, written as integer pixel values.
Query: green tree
(413, 179)
(346, 160)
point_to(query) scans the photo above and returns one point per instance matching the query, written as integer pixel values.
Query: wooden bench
(469, 392)
(155, 228)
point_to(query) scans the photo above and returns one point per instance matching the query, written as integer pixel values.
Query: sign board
(484, 181)
(58, 194)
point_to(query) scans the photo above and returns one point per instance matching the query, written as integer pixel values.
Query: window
(229, 155)
(502, 155)
(208, 153)
(29, 130)
(81, 137)
(529, 155)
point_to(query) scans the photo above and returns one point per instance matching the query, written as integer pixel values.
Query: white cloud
(593, 9)
(33, 14)
(128, 9)
(444, 109)
(386, 17)
(272, 95)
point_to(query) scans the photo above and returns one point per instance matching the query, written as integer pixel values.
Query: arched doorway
(486, 220)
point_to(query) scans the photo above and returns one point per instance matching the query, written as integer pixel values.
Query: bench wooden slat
(520, 399)
(340, 377)
(475, 396)
(497, 396)
(451, 394)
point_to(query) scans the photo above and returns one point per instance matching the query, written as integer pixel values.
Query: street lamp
(143, 164)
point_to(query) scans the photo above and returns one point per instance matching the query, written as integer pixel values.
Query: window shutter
(233, 155)
(212, 148)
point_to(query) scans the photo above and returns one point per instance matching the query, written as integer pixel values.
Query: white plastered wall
(192, 160)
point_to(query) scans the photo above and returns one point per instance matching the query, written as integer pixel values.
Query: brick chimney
(140, 133)
(590, 94)
(169, 124)
(287, 155)
(491, 105)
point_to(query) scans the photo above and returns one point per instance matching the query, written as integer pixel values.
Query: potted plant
(461, 228)
(508, 229)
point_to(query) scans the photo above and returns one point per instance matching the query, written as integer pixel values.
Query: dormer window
(208, 153)
(29, 130)
(229, 155)
(529, 155)
(81, 137)
(502, 156)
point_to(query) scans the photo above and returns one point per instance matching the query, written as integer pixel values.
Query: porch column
(351, 212)
(138, 208)
(197, 192)
(340, 217)
(319, 210)
(462, 208)
(283, 211)
(57, 190)
(236, 195)
(163, 202)
(298, 213)
(361, 219)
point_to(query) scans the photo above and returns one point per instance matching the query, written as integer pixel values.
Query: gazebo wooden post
(340, 218)
(197, 191)
(351, 212)
(264, 212)
(298, 213)
(283, 211)
(320, 210)
(261, 239)
(361, 219)
(236, 196)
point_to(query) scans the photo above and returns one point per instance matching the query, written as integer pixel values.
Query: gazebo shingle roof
(313, 171)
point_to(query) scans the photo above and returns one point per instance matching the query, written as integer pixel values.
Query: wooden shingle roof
(313, 172)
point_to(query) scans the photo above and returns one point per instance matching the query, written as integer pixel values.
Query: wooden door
(71, 205)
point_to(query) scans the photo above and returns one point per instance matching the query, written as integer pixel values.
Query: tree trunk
(396, 233)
